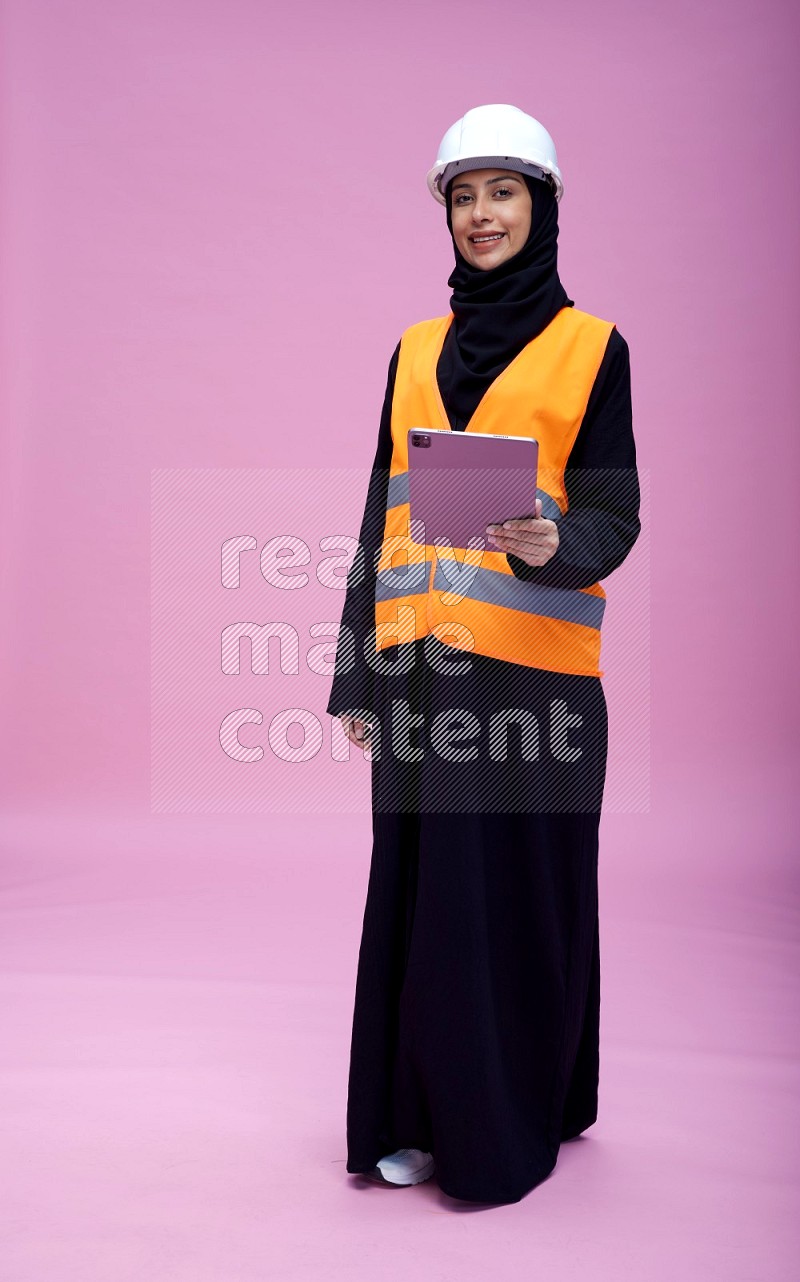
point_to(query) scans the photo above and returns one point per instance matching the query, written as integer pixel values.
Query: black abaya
(476, 1020)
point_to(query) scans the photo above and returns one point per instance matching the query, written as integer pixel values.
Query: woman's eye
(502, 191)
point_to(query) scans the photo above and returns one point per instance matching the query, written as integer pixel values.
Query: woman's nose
(481, 210)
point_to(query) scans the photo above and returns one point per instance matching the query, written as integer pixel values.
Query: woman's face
(490, 215)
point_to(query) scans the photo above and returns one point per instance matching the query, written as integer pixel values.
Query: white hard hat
(496, 136)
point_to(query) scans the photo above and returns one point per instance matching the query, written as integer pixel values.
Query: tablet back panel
(460, 482)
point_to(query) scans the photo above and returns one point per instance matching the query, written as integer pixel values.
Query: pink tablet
(460, 482)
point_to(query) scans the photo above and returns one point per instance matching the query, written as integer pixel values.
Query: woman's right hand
(356, 730)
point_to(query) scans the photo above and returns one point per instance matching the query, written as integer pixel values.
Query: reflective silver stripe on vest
(402, 580)
(397, 494)
(398, 490)
(496, 588)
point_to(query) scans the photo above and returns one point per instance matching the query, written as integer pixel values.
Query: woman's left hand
(534, 540)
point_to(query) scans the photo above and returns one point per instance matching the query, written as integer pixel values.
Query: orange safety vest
(542, 393)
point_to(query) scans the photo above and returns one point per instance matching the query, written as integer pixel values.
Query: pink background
(216, 227)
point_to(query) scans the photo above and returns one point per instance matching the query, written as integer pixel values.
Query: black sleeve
(601, 523)
(353, 681)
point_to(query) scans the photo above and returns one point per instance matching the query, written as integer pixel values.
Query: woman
(476, 1023)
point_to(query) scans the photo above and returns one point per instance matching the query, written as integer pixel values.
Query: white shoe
(406, 1166)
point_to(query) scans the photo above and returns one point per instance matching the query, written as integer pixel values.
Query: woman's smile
(489, 238)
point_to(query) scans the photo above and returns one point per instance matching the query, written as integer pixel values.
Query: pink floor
(177, 994)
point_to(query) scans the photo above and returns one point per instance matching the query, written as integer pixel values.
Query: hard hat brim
(517, 163)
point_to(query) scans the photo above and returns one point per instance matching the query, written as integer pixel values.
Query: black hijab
(500, 310)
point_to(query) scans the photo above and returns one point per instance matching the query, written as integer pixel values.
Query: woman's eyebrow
(489, 181)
